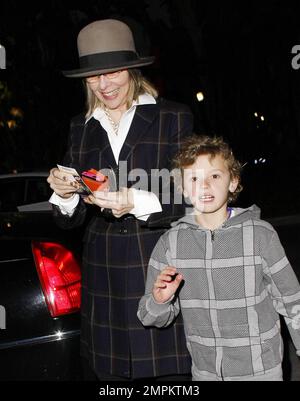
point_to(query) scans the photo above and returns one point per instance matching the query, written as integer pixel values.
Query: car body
(36, 342)
(24, 192)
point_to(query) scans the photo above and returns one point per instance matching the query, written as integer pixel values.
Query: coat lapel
(143, 118)
(106, 154)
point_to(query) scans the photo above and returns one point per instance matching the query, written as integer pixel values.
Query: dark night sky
(237, 53)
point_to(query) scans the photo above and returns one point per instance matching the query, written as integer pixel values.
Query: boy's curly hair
(195, 146)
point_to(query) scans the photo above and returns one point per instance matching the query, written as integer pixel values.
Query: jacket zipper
(222, 376)
(212, 234)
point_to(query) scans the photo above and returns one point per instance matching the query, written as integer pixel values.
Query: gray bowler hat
(106, 46)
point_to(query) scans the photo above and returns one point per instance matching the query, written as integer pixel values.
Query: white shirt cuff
(67, 206)
(145, 203)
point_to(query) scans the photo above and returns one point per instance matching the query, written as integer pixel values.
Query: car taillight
(60, 277)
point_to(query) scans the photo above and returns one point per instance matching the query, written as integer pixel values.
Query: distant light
(200, 96)
(11, 124)
(59, 335)
(260, 161)
(262, 118)
(255, 114)
(16, 112)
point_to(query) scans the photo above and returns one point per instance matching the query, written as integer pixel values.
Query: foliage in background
(10, 131)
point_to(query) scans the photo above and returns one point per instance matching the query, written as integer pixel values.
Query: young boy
(226, 270)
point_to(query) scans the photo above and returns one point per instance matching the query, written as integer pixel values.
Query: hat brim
(90, 71)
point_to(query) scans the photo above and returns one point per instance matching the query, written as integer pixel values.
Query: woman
(125, 128)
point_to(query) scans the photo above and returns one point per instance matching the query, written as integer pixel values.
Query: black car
(40, 279)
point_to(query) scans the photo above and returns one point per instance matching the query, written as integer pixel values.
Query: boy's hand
(166, 284)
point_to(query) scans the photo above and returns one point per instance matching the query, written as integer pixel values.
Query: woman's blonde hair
(195, 146)
(137, 86)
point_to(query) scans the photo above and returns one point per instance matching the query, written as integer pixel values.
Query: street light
(200, 96)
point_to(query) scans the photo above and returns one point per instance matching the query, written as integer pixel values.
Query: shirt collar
(143, 99)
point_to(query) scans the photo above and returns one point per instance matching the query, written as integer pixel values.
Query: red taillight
(60, 277)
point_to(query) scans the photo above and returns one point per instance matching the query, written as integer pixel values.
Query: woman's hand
(62, 183)
(120, 202)
(166, 284)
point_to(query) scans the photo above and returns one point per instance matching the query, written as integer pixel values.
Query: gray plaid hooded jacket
(237, 280)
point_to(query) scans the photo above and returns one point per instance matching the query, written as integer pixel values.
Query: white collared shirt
(145, 202)
(117, 141)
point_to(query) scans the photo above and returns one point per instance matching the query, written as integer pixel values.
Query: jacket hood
(240, 215)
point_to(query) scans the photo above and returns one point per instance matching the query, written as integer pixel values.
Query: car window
(37, 190)
(11, 194)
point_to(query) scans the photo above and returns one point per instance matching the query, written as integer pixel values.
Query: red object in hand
(95, 180)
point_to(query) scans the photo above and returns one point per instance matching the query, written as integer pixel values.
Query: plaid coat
(236, 283)
(117, 251)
